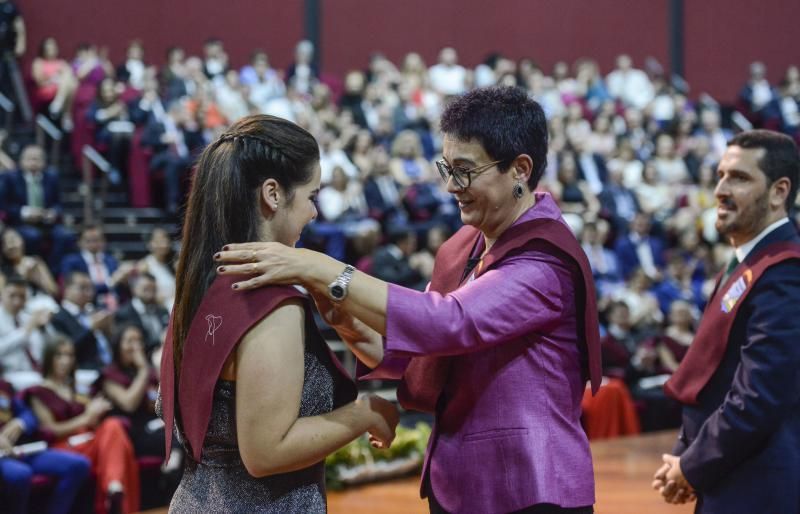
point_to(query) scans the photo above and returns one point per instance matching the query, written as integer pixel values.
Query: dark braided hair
(224, 205)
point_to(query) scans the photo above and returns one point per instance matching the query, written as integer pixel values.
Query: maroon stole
(708, 348)
(118, 375)
(425, 377)
(222, 319)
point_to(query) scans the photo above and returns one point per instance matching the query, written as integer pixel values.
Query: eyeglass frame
(446, 171)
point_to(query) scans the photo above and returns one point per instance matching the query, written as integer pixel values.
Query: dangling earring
(517, 191)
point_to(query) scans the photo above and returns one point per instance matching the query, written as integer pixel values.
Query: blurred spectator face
(261, 62)
(339, 179)
(145, 290)
(92, 240)
(620, 316)
(380, 160)
(213, 49)
(633, 118)
(14, 297)
(135, 51)
(50, 48)
(107, 91)
(408, 244)
(413, 63)
(436, 237)
(680, 314)
(665, 146)
(131, 343)
(354, 83)
(232, 79)
(742, 194)
(175, 56)
(575, 111)
(709, 119)
(624, 62)
(13, 246)
(80, 290)
(639, 281)
(304, 52)
(757, 71)
(650, 173)
(32, 160)
(589, 233)
(63, 361)
(641, 224)
(160, 244)
(448, 57)
(560, 70)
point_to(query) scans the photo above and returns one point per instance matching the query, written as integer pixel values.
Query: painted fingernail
(216, 256)
(221, 269)
(225, 248)
(236, 286)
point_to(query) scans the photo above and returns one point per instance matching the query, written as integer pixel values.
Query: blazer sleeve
(526, 293)
(766, 384)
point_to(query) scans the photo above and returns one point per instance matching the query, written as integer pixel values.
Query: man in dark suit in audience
(144, 311)
(739, 447)
(174, 139)
(30, 197)
(106, 274)
(87, 327)
(392, 262)
(639, 249)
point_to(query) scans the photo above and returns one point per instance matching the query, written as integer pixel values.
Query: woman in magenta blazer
(501, 344)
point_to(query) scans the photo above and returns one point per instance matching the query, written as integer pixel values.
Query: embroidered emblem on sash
(735, 291)
(214, 322)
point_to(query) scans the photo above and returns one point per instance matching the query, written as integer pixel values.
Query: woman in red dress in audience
(77, 423)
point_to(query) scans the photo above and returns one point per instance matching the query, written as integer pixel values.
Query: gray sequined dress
(221, 484)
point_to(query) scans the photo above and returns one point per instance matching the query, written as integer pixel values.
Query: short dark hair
(780, 159)
(505, 121)
(72, 275)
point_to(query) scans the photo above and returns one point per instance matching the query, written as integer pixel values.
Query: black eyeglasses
(461, 176)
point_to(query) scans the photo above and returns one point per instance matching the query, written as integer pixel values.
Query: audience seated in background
(79, 424)
(18, 425)
(145, 312)
(86, 326)
(30, 199)
(106, 274)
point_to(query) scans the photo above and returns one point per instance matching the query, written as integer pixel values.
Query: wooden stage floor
(623, 471)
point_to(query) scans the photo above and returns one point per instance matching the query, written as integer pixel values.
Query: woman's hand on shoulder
(267, 264)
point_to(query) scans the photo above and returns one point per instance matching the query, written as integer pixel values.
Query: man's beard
(747, 219)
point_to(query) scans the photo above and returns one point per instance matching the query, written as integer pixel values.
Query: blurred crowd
(632, 163)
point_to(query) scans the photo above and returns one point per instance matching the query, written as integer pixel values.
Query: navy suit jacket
(629, 259)
(740, 445)
(14, 194)
(74, 262)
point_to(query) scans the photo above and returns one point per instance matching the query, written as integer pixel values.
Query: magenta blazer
(507, 433)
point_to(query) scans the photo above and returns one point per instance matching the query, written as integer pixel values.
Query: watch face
(337, 291)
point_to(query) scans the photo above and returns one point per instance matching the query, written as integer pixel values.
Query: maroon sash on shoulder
(425, 377)
(709, 345)
(222, 319)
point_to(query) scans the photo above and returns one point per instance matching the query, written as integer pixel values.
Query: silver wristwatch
(337, 289)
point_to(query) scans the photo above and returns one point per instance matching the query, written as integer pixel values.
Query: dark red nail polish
(216, 256)
(236, 286)
(225, 248)
(221, 269)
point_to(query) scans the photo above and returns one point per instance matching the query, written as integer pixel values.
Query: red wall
(273, 25)
(720, 40)
(546, 30)
(723, 37)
